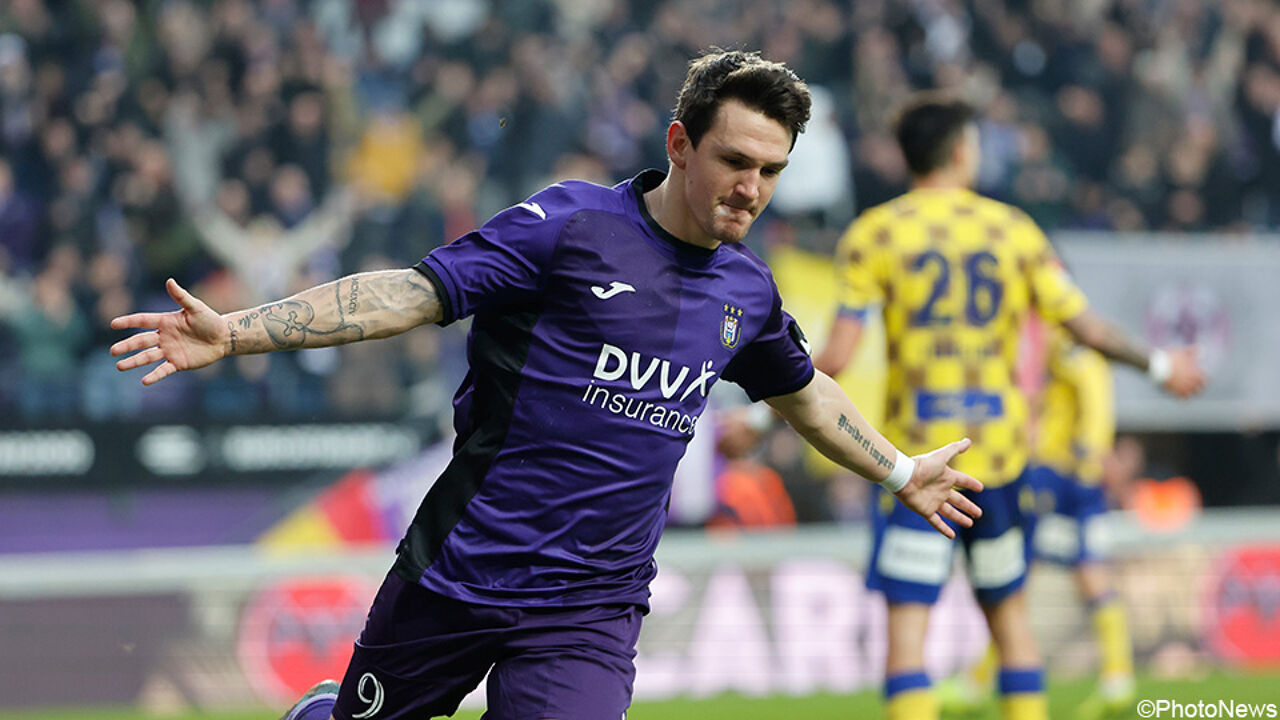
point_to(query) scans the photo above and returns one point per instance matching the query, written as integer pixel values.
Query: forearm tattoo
(353, 297)
(863, 441)
(417, 297)
(234, 339)
(289, 323)
(367, 306)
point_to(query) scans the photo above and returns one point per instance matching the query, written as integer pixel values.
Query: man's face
(731, 175)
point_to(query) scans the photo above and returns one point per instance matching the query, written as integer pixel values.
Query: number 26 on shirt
(985, 289)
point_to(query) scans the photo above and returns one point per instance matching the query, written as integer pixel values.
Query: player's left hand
(190, 337)
(934, 489)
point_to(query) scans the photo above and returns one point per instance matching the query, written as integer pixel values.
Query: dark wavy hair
(770, 87)
(928, 128)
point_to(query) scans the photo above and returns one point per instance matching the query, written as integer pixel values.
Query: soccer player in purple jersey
(601, 319)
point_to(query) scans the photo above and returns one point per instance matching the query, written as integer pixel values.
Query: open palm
(934, 489)
(185, 339)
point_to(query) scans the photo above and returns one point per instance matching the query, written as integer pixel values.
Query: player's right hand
(1186, 377)
(185, 339)
(934, 489)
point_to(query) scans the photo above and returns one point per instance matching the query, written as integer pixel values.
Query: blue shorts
(421, 653)
(911, 561)
(1064, 525)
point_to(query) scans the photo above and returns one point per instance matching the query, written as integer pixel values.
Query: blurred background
(211, 543)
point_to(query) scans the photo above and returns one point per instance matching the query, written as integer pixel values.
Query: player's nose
(748, 186)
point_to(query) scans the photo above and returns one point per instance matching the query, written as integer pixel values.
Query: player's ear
(966, 152)
(678, 144)
(959, 152)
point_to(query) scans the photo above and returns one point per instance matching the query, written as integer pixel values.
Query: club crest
(730, 327)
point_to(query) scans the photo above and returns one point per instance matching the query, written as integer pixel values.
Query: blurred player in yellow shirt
(1074, 434)
(955, 276)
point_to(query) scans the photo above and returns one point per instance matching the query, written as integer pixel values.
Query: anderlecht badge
(730, 327)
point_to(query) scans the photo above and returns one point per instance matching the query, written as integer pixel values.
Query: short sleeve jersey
(1077, 423)
(955, 275)
(596, 338)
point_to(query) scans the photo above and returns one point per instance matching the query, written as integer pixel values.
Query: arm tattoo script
(290, 322)
(371, 305)
(353, 296)
(863, 441)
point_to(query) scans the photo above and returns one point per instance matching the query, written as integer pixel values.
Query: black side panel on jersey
(499, 348)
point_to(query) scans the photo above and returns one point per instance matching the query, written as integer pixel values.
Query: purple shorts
(421, 653)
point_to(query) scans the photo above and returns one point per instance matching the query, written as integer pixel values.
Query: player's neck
(941, 179)
(668, 208)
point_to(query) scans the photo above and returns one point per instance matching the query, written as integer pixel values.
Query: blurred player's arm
(1176, 370)
(364, 306)
(1057, 299)
(827, 418)
(860, 285)
(842, 343)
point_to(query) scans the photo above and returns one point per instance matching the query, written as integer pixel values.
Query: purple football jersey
(595, 340)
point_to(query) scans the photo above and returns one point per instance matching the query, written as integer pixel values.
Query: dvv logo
(614, 362)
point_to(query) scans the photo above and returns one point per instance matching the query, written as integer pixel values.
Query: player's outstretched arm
(1175, 370)
(357, 307)
(827, 418)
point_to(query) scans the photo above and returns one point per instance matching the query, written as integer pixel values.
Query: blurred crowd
(249, 149)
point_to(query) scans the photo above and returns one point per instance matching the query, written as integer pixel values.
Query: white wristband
(1159, 366)
(898, 478)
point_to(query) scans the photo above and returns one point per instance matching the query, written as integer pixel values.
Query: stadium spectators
(123, 125)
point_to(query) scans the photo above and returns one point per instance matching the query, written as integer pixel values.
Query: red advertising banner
(1242, 606)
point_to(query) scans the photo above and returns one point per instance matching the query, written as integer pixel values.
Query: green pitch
(1063, 699)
